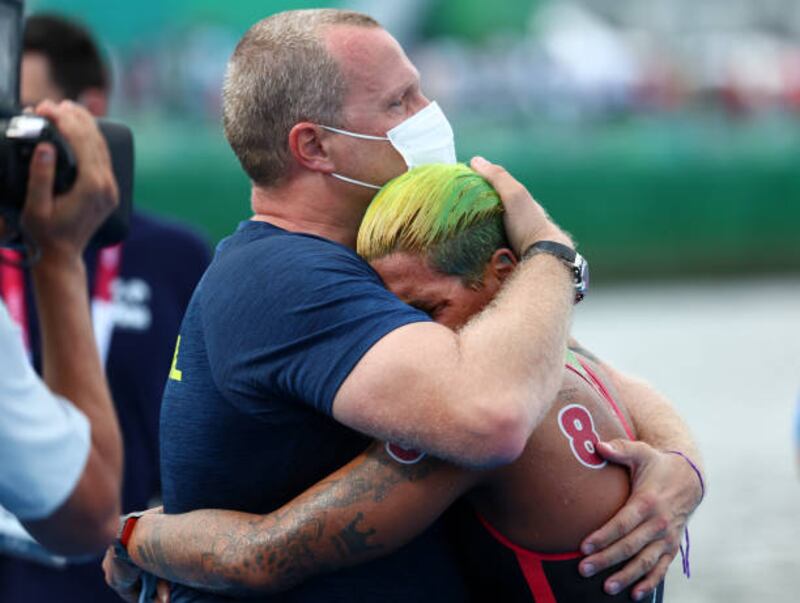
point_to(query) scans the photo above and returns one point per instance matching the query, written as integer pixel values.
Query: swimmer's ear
(502, 263)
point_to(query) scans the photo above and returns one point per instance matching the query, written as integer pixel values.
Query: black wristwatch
(126, 525)
(574, 260)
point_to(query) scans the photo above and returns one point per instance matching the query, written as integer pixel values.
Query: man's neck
(304, 209)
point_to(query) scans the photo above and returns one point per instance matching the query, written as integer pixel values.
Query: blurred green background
(660, 160)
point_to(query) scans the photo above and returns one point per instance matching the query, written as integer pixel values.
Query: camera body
(19, 136)
(20, 133)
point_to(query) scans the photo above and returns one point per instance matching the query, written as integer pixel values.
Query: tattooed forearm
(373, 479)
(264, 555)
(152, 551)
(350, 542)
(359, 513)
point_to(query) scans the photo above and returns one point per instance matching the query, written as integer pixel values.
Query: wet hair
(74, 58)
(447, 212)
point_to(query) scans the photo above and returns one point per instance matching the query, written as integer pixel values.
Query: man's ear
(309, 148)
(502, 263)
(95, 100)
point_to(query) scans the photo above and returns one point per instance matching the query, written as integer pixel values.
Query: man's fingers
(503, 182)
(162, 592)
(66, 117)
(627, 519)
(620, 551)
(106, 564)
(622, 452)
(525, 220)
(640, 566)
(122, 576)
(40, 180)
(48, 109)
(79, 129)
(653, 579)
(644, 536)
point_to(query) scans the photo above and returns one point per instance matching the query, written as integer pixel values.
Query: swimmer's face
(444, 297)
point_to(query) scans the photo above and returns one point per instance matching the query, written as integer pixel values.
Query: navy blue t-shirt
(273, 329)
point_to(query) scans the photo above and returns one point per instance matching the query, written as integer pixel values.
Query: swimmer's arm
(367, 509)
(665, 489)
(654, 418)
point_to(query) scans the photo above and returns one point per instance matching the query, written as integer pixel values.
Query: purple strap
(696, 470)
(687, 571)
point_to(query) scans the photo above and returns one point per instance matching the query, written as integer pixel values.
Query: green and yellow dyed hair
(447, 212)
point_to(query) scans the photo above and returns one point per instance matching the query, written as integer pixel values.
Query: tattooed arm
(367, 509)
(665, 488)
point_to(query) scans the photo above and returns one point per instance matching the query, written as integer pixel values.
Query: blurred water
(728, 355)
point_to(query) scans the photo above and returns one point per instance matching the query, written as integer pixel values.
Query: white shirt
(44, 439)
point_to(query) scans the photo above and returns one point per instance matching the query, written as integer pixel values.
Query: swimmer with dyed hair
(435, 235)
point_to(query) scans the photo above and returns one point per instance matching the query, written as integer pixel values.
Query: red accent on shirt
(108, 262)
(12, 289)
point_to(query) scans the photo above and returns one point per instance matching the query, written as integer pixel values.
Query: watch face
(585, 276)
(581, 277)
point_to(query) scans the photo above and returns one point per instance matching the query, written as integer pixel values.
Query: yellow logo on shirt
(174, 373)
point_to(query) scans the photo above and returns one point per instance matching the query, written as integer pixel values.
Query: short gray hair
(281, 74)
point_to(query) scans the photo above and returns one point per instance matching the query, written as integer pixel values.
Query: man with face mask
(435, 236)
(291, 341)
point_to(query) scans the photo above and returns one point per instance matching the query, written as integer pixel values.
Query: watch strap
(126, 525)
(561, 251)
(574, 261)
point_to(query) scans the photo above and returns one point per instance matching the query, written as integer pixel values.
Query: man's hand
(648, 529)
(126, 579)
(63, 225)
(526, 222)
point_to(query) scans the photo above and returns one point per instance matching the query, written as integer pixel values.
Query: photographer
(60, 443)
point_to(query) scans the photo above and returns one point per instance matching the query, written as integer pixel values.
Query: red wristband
(127, 529)
(126, 525)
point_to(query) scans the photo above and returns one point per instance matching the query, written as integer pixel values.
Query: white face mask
(425, 137)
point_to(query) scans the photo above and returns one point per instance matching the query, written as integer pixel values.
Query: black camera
(21, 132)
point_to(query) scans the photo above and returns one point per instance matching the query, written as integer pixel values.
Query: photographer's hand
(61, 227)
